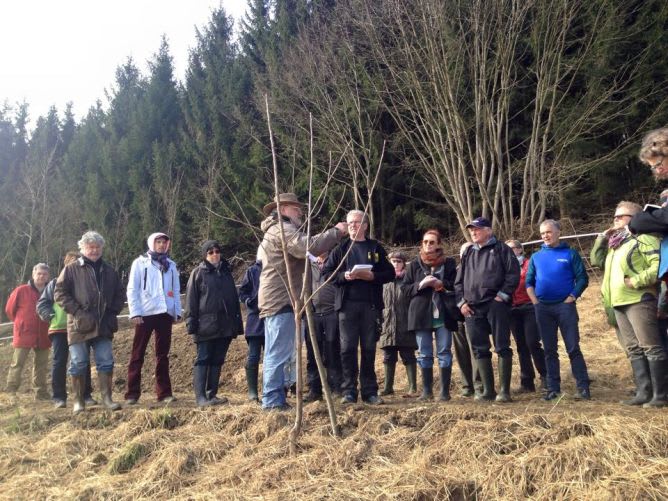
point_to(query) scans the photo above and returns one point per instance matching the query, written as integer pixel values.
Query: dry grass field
(402, 450)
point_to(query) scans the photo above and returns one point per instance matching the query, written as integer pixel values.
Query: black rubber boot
(658, 370)
(251, 381)
(446, 377)
(212, 382)
(505, 371)
(427, 384)
(487, 379)
(411, 375)
(199, 384)
(640, 368)
(388, 387)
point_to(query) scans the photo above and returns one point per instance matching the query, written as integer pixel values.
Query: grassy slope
(402, 450)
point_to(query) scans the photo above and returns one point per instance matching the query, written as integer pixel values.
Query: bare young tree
(489, 134)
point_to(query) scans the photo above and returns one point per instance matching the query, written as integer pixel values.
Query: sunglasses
(211, 252)
(427, 242)
(619, 216)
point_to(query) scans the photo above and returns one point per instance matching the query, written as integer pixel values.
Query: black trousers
(358, 326)
(465, 359)
(327, 336)
(527, 339)
(490, 318)
(391, 355)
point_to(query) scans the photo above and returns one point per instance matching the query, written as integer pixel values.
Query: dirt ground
(404, 449)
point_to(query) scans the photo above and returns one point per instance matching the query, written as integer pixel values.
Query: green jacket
(638, 259)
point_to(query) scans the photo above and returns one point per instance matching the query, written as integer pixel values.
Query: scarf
(433, 259)
(617, 238)
(161, 259)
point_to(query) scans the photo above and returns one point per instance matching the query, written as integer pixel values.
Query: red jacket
(29, 330)
(520, 295)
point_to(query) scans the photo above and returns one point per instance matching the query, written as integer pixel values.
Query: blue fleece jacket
(555, 273)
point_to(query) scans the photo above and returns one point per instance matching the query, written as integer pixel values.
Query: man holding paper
(360, 268)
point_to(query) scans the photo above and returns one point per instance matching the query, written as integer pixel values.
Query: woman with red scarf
(428, 281)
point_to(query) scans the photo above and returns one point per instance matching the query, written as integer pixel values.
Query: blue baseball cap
(479, 222)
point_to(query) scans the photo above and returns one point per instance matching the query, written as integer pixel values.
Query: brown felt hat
(284, 199)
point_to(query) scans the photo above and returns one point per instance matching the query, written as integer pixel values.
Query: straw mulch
(402, 450)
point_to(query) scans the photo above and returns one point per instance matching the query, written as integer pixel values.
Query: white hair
(40, 266)
(90, 237)
(355, 212)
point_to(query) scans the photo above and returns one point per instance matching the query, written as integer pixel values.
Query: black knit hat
(208, 245)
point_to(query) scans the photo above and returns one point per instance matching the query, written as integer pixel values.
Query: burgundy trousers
(162, 325)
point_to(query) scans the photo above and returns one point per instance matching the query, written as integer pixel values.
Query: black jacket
(420, 309)
(485, 272)
(248, 291)
(655, 221)
(382, 270)
(212, 303)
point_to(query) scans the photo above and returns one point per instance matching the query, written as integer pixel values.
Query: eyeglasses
(619, 216)
(655, 166)
(211, 252)
(429, 242)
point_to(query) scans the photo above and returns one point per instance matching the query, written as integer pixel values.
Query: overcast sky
(55, 51)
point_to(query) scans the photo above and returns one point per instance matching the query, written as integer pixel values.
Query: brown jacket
(91, 310)
(273, 294)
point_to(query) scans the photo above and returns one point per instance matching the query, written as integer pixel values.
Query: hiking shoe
(348, 399)
(374, 400)
(551, 395)
(90, 401)
(59, 404)
(312, 396)
(583, 394)
(131, 401)
(278, 408)
(218, 400)
(167, 400)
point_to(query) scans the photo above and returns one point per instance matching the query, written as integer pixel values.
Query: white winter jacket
(150, 291)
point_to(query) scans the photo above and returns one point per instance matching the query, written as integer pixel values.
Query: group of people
(360, 296)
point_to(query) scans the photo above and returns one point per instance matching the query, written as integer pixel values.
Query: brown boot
(104, 380)
(78, 386)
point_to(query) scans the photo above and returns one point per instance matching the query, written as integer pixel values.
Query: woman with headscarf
(428, 280)
(213, 318)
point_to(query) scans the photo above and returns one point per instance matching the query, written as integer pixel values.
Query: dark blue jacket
(556, 273)
(248, 291)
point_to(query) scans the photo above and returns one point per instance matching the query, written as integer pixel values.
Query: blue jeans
(61, 353)
(255, 344)
(279, 348)
(425, 356)
(562, 316)
(80, 356)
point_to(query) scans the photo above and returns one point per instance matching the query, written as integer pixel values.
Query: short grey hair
(40, 266)
(90, 237)
(553, 222)
(355, 212)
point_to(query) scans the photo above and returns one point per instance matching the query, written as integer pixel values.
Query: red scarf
(434, 258)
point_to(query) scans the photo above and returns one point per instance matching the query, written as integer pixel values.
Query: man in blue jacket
(555, 279)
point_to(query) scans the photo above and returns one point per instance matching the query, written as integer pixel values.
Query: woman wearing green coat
(630, 291)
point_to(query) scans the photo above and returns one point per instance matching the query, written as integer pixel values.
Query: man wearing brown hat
(486, 279)
(274, 299)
